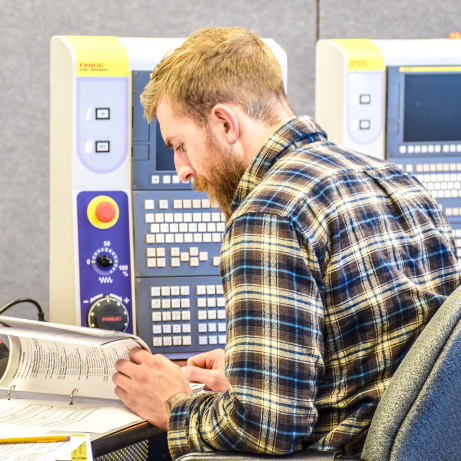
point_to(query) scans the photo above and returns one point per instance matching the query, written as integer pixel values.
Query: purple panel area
(115, 243)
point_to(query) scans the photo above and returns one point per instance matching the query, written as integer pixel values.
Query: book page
(11, 326)
(53, 367)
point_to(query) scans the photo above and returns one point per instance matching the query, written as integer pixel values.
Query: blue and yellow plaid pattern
(332, 264)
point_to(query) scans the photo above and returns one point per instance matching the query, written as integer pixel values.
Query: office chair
(419, 415)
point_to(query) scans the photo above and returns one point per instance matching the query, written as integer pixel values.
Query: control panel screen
(432, 108)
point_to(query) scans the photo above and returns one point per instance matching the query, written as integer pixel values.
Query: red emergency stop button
(105, 211)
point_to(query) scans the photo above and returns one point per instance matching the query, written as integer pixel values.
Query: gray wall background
(25, 31)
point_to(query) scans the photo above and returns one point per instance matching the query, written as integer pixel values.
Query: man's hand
(208, 368)
(149, 385)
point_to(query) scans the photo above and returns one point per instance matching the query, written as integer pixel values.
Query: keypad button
(202, 227)
(185, 302)
(219, 289)
(221, 302)
(157, 342)
(203, 256)
(196, 203)
(193, 251)
(186, 328)
(159, 238)
(161, 262)
(161, 252)
(167, 329)
(169, 238)
(150, 217)
(206, 217)
(187, 217)
(185, 315)
(177, 204)
(156, 316)
(202, 327)
(213, 339)
(402, 149)
(164, 228)
(216, 260)
(166, 179)
(177, 217)
(176, 179)
(166, 291)
(150, 238)
(184, 256)
(166, 303)
(156, 329)
(201, 289)
(167, 339)
(188, 238)
(185, 290)
(155, 303)
(187, 203)
(175, 303)
(197, 217)
(211, 315)
(211, 302)
(203, 340)
(163, 204)
(175, 262)
(174, 228)
(193, 262)
(177, 340)
(201, 302)
(154, 228)
(166, 316)
(193, 227)
(211, 227)
(222, 339)
(183, 228)
(212, 327)
(148, 204)
(151, 262)
(221, 327)
(220, 227)
(186, 340)
(155, 179)
(176, 315)
(201, 315)
(155, 291)
(211, 289)
(216, 217)
(206, 238)
(169, 217)
(198, 238)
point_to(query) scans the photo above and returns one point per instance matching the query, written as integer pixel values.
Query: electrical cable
(41, 314)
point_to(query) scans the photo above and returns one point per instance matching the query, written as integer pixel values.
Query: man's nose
(184, 169)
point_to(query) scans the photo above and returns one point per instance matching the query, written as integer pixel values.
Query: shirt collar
(297, 129)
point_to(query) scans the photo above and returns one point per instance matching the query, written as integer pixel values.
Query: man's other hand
(208, 368)
(149, 385)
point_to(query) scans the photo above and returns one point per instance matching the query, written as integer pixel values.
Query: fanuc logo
(91, 65)
(111, 319)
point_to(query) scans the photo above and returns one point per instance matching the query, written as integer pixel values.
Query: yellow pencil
(45, 439)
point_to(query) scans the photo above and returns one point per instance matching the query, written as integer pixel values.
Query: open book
(59, 377)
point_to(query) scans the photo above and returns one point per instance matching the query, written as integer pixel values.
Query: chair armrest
(308, 455)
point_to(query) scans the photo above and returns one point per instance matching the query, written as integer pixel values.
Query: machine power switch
(108, 313)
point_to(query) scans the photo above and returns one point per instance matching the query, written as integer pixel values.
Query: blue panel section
(195, 314)
(96, 281)
(434, 159)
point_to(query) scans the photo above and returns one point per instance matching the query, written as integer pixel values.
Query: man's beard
(222, 177)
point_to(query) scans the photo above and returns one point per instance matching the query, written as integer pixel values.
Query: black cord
(317, 23)
(41, 314)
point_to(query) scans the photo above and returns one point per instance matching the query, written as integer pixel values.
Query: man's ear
(224, 123)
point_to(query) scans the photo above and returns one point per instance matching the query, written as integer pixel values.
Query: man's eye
(180, 147)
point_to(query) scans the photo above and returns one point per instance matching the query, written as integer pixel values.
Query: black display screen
(164, 155)
(432, 110)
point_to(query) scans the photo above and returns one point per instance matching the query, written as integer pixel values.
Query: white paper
(42, 451)
(64, 417)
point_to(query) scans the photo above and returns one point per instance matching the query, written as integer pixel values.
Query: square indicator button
(364, 124)
(103, 114)
(365, 99)
(102, 146)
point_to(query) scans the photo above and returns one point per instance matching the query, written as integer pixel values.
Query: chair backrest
(419, 415)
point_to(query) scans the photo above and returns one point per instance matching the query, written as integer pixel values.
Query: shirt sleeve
(274, 349)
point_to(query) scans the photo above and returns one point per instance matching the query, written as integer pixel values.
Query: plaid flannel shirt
(332, 264)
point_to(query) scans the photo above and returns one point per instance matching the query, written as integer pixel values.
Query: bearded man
(332, 263)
